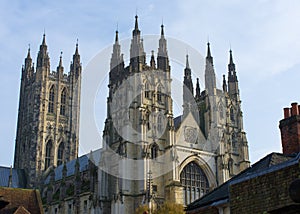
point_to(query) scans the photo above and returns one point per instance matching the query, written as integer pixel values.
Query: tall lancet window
(51, 100)
(48, 154)
(147, 90)
(159, 94)
(63, 100)
(60, 154)
(194, 181)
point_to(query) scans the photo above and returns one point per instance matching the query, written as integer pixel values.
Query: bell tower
(48, 117)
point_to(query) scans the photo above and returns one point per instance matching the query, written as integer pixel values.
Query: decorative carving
(190, 134)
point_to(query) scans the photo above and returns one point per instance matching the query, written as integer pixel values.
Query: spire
(117, 37)
(197, 89)
(188, 82)
(28, 53)
(162, 54)
(60, 60)
(224, 84)
(137, 54)
(76, 51)
(162, 33)
(231, 68)
(136, 31)
(187, 62)
(43, 58)
(44, 39)
(76, 64)
(209, 58)
(230, 60)
(136, 26)
(76, 56)
(210, 76)
(116, 57)
(152, 61)
(233, 88)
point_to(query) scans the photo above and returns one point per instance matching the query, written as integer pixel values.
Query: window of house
(194, 182)
(85, 208)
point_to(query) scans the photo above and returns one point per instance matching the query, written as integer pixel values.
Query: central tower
(139, 129)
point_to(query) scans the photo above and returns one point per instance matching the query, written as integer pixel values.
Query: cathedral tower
(48, 116)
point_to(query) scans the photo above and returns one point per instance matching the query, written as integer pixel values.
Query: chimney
(290, 130)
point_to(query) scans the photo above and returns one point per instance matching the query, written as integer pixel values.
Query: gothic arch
(60, 153)
(48, 153)
(51, 99)
(203, 165)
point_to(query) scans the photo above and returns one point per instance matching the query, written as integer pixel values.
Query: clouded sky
(263, 34)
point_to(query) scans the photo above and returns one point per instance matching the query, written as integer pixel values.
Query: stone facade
(148, 155)
(48, 117)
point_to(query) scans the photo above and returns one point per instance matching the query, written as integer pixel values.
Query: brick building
(265, 187)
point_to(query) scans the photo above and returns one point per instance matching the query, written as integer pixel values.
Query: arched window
(60, 154)
(160, 125)
(147, 90)
(48, 154)
(51, 100)
(159, 94)
(231, 114)
(194, 182)
(154, 151)
(234, 143)
(63, 100)
(221, 111)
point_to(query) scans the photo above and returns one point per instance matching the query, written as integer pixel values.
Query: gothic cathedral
(48, 117)
(149, 156)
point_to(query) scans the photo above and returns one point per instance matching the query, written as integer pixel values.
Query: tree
(170, 208)
(165, 208)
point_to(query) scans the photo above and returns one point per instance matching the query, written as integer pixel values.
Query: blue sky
(264, 36)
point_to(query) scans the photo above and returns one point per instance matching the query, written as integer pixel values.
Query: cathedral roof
(83, 165)
(220, 195)
(18, 178)
(177, 122)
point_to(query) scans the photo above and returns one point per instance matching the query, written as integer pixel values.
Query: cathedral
(149, 155)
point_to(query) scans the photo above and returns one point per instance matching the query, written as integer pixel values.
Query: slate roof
(18, 177)
(220, 195)
(83, 163)
(21, 201)
(177, 122)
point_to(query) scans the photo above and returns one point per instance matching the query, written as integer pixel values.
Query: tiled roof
(83, 163)
(221, 193)
(18, 177)
(21, 200)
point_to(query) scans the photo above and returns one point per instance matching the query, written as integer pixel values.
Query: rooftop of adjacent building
(220, 195)
(16, 200)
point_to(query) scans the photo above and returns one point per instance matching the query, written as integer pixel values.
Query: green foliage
(166, 208)
(142, 209)
(170, 208)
